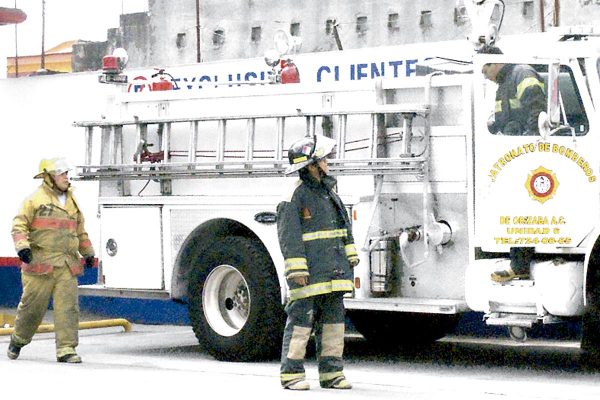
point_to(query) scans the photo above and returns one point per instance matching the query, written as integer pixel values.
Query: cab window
(572, 105)
(519, 94)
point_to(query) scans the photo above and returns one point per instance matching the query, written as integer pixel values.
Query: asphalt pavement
(160, 361)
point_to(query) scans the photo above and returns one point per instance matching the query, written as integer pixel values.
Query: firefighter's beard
(64, 188)
(61, 185)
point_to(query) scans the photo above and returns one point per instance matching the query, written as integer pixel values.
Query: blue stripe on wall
(134, 310)
(160, 312)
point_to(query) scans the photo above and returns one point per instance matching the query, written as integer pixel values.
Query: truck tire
(590, 333)
(395, 330)
(234, 301)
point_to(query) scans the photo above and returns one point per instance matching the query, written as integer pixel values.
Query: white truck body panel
(466, 195)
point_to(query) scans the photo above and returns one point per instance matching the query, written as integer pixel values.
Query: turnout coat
(55, 233)
(316, 240)
(519, 100)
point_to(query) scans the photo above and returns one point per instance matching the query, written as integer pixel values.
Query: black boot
(13, 350)
(520, 259)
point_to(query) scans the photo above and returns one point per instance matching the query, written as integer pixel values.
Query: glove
(513, 128)
(300, 280)
(491, 124)
(25, 255)
(354, 260)
(89, 262)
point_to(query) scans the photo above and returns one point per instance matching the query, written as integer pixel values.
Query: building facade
(184, 31)
(58, 59)
(176, 32)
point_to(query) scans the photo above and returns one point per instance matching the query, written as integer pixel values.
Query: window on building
(393, 22)
(425, 21)
(329, 26)
(218, 38)
(496, 17)
(527, 8)
(295, 29)
(180, 40)
(256, 34)
(460, 15)
(361, 26)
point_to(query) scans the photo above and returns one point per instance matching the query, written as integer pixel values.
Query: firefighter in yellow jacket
(316, 240)
(49, 235)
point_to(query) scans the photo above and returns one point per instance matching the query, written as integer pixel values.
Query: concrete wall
(167, 34)
(416, 21)
(575, 12)
(38, 116)
(135, 37)
(88, 56)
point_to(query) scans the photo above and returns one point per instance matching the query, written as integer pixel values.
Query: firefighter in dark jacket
(520, 96)
(520, 99)
(315, 237)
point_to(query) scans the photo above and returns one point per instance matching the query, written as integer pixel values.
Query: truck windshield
(517, 94)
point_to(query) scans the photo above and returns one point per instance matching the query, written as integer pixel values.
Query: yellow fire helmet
(55, 166)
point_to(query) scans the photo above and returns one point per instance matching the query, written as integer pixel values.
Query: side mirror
(553, 108)
(272, 58)
(544, 124)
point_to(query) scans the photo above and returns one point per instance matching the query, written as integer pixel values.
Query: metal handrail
(418, 108)
(241, 168)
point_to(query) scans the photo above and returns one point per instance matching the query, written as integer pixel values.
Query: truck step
(518, 296)
(101, 290)
(521, 320)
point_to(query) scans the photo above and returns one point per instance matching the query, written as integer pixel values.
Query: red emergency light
(110, 64)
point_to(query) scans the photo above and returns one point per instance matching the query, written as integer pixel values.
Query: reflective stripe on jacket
(519, 100)
(54, 233)
(316, 240)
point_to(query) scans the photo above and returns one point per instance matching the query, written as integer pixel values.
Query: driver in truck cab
(519, 99)
(316, 241)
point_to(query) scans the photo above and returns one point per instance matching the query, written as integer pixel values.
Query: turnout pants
(326, 314)
(61, 285)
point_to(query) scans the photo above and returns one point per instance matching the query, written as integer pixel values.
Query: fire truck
(190, 178)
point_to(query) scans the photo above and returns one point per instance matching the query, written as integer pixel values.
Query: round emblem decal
(541, 184)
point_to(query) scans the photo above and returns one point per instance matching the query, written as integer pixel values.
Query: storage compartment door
(132, 247)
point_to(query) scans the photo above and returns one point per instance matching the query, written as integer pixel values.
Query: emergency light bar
(112, 66)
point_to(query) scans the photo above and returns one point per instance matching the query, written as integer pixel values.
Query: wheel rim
(226, 300)
(517, 333)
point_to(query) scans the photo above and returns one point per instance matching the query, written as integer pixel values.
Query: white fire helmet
(54, 166)
(305, 151)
